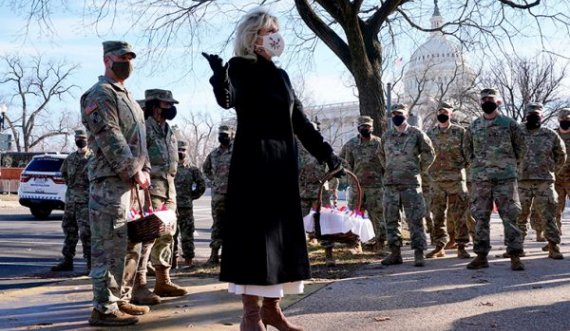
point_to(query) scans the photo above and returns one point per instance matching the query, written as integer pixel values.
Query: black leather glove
(335, 163)
(216, 62)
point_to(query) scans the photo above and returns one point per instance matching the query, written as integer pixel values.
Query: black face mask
(365, 132)
(565, 125)
(169, 113)
(122, 69)
(442, 118)
(81, 143)
(398, 119)
(489, 107)
(533, 121)
(181, 156)
(224, 140)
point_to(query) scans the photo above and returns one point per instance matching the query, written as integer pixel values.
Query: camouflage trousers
(541, 196)
(506, 197)
(563, 191)
(428, 219)
(372, 198)
(411, 200)
(75, 225)
(186, 229)
(470, 221)
(109, 201)
(306, 206)
(453, 198)
(218, 209)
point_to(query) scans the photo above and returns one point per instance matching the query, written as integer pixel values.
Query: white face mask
(274, 44)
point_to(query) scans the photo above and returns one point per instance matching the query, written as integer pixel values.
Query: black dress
(263, 234)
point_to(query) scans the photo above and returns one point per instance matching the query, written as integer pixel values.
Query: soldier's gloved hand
(335, 164)
(216, 62)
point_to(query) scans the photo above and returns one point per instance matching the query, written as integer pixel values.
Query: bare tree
(199, 130)
(32, 85)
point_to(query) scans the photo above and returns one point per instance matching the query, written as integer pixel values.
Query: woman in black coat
(264, 252)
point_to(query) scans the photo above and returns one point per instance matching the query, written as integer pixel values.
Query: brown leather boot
(506, 255)
(437, 252)
(141, 293)
(214, 256)
(451, 244)
(545, 248)
(394, 258)
(271, 314)
(65, 265)
(516, 263)
(554, 251)
(462, 253)
(419, 258)
(251, 319)
(116, 318)
(540, 236)
(479, 262)
(329, 258)
(164, 287)
(131, 309)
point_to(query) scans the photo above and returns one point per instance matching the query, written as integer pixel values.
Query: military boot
(164, 287)
(419, 258)
(141, 294)
(540, 236)
(116, 318)
(451, 244)
(214, 257)
(516, 263)
(65, 265)
(380, 248)
(546, 247)
(462, 253)
(329, 258)
(437, 252)
(394, 258)
(479, 262)
(131, 309)
(507, 255)
(554, 251)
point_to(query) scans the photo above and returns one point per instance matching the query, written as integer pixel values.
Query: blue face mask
(398, 119)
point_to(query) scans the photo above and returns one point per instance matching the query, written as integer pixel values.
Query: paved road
(29, 247)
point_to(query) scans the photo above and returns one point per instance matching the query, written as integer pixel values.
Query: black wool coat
(262, 228)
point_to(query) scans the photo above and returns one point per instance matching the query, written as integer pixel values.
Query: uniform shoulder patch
(91, 108)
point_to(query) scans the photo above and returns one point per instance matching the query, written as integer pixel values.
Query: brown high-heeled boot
(271, 314)
(251, 320)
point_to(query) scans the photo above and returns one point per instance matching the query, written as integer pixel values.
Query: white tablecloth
(334, 221)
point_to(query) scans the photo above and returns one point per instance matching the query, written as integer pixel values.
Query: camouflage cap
(489, 92)
(365, 120)
(80, 134)
(182, 144)
(533, 107)
(445, 105)
(224, 129)
(117, 48)
(401, 107)
(564, 112)
(158, 94)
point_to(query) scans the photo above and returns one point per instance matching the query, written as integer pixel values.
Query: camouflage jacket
(363, 158)
(163, 154)
(217, 168)
(190, 185)
(117, 134)
(494, 148)
(450, 161)
(404, 155)
(310, 172)
(545, 154)
(74, 172)
(563, 175)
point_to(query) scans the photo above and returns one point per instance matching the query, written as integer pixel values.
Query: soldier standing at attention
(75, 222)
(449, 191)
(562, 184)
(117, 137)
(216, 168)
(545, 155)
(494, 145)
(405, 153)
(190, 185)
(361, 155)
(163, 156)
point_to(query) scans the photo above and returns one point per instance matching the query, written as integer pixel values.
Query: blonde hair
(248, 29)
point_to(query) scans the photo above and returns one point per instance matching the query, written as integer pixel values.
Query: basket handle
(147, 200)
(329, 176)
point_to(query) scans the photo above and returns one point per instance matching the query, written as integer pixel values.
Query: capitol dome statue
(436, 71)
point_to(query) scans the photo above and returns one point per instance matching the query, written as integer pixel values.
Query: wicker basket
(146, 228)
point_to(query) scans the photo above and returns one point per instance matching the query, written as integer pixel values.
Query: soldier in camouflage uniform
(405, 152)
(448, 183)
(75, 222)
(163, 156)
(190, 185)
(216, 168)
(361, 155)
(562, 184)
(545, 154)
(494, 145)
(115, 124)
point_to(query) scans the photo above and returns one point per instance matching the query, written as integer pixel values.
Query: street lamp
(3, 110)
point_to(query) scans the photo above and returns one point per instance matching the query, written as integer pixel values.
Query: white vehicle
(42, 189)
